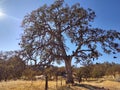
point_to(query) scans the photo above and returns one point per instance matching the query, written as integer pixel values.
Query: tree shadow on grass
(90, 87)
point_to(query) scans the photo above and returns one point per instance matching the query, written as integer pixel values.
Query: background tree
(15, 67)
(113, 70)
(98, 71)
(11, 65)
(2, 69)
(79, 74)
(48, 29)
(29, 73)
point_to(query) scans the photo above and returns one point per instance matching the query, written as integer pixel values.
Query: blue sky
(107, 11)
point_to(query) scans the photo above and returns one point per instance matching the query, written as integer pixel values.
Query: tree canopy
(48, 29)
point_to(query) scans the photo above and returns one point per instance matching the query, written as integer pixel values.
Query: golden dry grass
(111, 85)
(40, 85)
(28, 85)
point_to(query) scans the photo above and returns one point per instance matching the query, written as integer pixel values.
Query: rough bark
(69, 78)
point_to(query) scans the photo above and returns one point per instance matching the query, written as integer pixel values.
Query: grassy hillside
(28, 85)
(39, 85)
(111, 85)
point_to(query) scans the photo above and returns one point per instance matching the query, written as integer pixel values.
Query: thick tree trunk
(69, 78)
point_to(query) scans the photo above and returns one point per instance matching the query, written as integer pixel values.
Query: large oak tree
(48, 29)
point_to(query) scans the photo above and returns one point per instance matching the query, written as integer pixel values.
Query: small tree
(113, 70)
(97, 71)
(11, 65)
(15, 67)
(79, 75)
(29, 73)
(48, 30)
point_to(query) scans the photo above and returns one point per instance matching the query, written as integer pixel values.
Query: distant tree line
(99, 70)
(12, 66)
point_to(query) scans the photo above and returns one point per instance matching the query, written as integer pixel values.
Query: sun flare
(1, 14)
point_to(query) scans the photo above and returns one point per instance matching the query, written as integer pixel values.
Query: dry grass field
(40, 85)
(28, 85)
(111, 85)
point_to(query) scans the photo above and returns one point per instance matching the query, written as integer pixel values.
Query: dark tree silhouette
(48, 29)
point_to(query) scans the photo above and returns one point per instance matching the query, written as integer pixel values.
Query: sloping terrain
(40, 85)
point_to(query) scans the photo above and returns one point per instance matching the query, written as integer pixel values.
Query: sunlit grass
(40, 85)
(112, 85)
(29, 85)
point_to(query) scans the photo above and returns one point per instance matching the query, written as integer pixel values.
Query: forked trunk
(69, 78)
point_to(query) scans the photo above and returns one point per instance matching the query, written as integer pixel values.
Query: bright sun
(1, 14)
